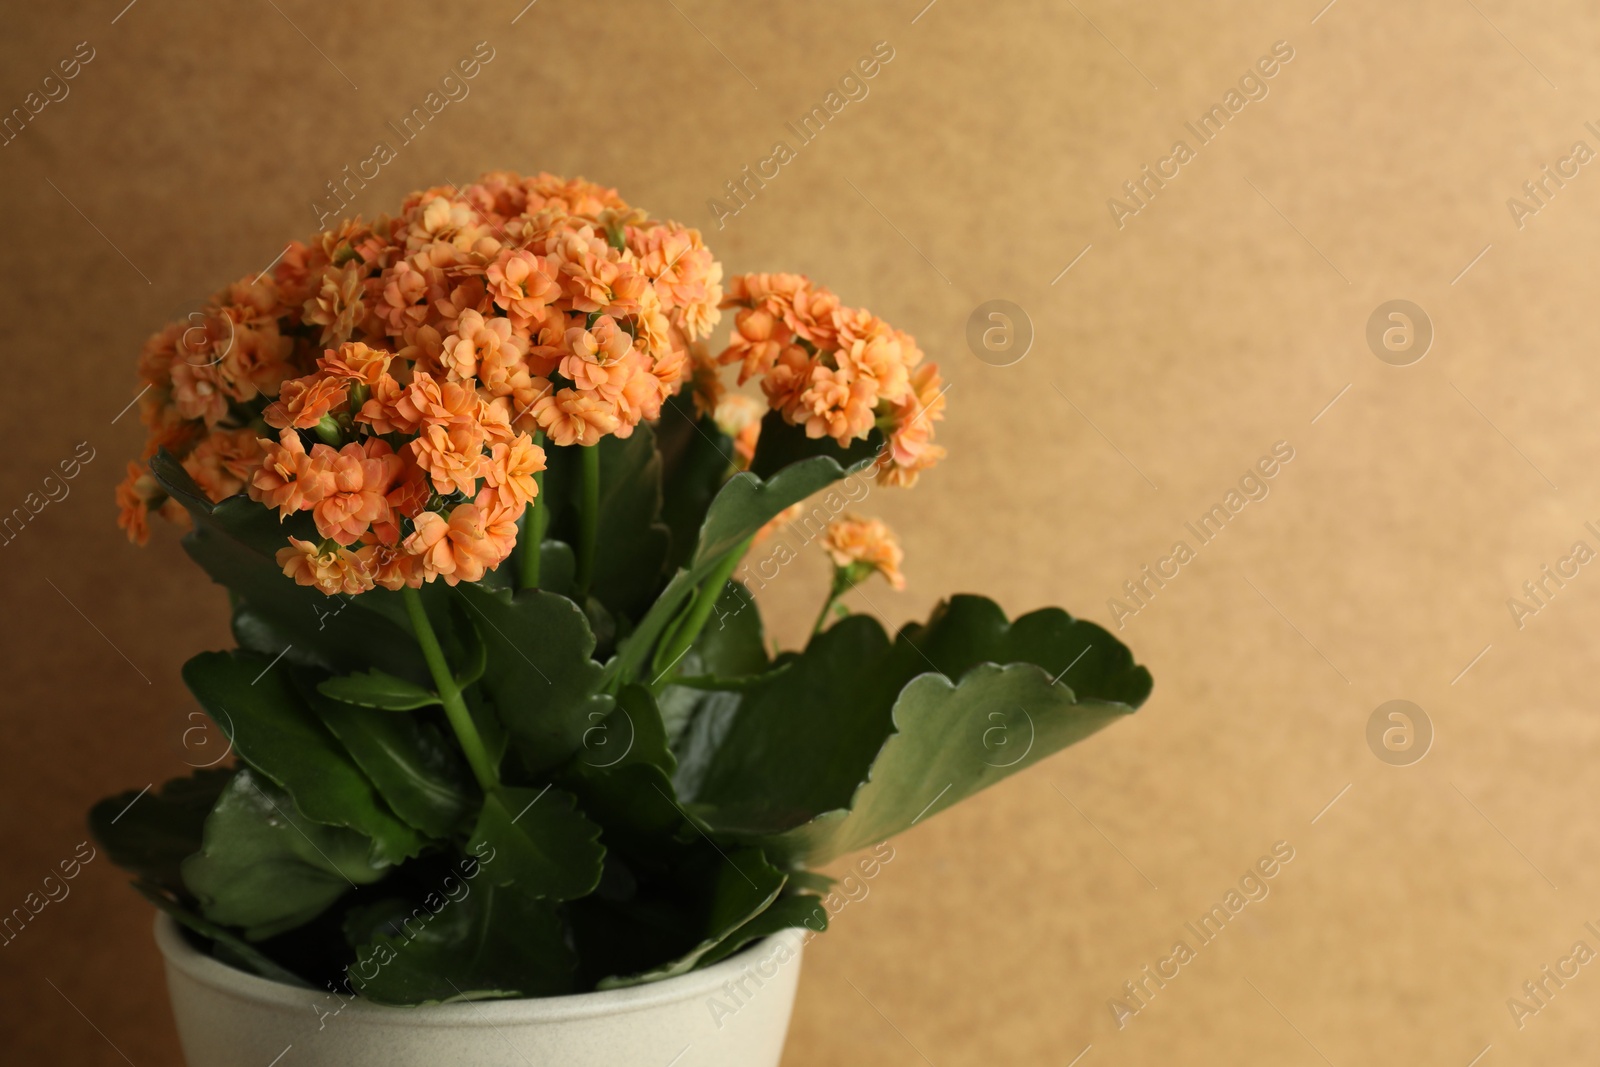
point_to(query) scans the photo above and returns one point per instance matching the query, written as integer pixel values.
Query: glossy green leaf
(417, 770)
(236, 542)
(738, 887)
(237, 950)
(483, 942)
(375, 689)
(152, 832)
(696, 459)
(540, 675)
(631, 545)
(264, 866)
(839, 750)
(742, 506)
(791, 911)
(539, 842)
(275, 732)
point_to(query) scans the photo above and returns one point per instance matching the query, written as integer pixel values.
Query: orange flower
(286, 478)
(511, 469)
(304, 401)
(476, 339)
(476, 538)
(139, 494)
(223, 461)
(360, 477)
(910, 449)
(355, 362)
(521, 283)
(573, 418)
(836, 404)
(427, 401)
(452, 455)
(332, 570)
(198, 391)
(865, 545)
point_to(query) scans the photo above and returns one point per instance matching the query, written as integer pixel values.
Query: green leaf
(491, 941)
(696, 459)
(856, 740)
(950, 741)
(739, 887)
(732, 644)
(236, 542)
(538, 841)
(151, 834)
(275, 732)
(791, 911)
(239, 950)
(416, 769)
(375, 689)
(801, 742)
(780, 445)
(742, 506)
(266, 867)
(540, 675)
(631, 544)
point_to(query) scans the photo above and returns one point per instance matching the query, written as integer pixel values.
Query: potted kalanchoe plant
(502, 725)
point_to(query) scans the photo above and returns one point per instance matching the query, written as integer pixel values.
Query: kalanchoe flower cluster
(388, 377)
(396, 379)
(839, 372)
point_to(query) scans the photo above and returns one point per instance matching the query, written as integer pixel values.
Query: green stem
(455, 708)
(588, 517)
(841, 586)
(705, 598)
(534, 520)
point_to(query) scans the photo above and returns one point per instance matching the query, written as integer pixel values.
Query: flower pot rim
(209, 971)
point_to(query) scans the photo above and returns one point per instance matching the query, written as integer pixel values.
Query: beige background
(1222, 319)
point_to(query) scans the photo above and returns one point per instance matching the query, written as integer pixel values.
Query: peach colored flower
(381, 408)
(869, 348)
(511, 469)
(428, 402)
(739, 417)
(593, 351)
(476, 538)
(332, 570)
(391, 566)
(198, 391)
(787, 380)
(759, 337)
(475, 338)
(223, 461)
(338, 304)
(573, 418)
(910, 450)
(867, 544)
(356, 362)
(303, 402)
(839, 405)
(522, 284)
(286, 479)
(359, 478)
(452, 455)
(139, 494)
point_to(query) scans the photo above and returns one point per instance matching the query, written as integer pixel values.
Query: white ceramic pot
(732, 1014)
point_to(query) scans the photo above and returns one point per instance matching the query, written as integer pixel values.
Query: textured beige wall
(1222, 317)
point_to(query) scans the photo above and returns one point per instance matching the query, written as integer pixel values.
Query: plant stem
(705, 598)
(841, 586)
(531, 536)
(588, 517)
(455, 708)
